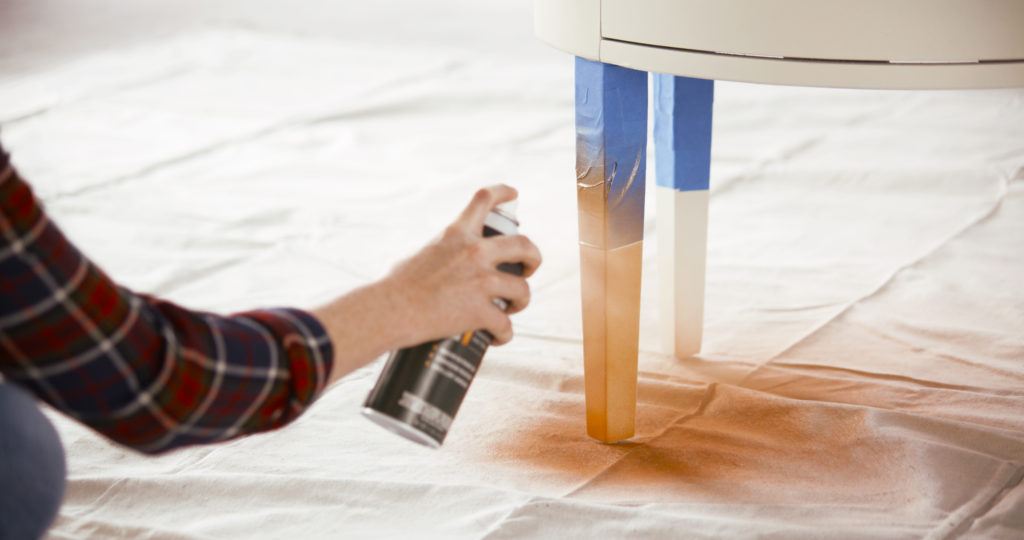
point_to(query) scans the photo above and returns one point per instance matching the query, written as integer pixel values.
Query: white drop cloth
(863, 366)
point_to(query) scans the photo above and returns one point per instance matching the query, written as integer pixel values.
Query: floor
(861, 374)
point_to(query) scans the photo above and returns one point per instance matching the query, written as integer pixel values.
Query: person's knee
(32, 467)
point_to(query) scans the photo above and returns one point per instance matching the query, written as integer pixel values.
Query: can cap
(508, 209)
(503, 218)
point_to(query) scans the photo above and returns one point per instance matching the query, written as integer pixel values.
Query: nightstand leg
(611, 138)
(682, 153)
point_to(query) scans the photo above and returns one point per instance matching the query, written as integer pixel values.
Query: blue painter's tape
(682, 131)
(611, 155)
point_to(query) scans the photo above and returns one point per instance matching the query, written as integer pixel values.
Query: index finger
(472, 217)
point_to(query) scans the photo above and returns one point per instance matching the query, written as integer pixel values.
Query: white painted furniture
(908, 44)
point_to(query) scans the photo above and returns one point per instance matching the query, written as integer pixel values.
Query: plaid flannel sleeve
(143, 372)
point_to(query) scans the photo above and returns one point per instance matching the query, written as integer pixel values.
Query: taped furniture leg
(611, 138)
(682, 153)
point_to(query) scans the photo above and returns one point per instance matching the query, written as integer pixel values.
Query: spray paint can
(421, 388)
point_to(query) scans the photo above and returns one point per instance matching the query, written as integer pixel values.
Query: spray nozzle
(508, 210)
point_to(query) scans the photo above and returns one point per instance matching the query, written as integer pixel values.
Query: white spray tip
(503, 218)
(508, 209)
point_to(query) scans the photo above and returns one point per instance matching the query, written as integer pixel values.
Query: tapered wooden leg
(682, 153)
(611, 138)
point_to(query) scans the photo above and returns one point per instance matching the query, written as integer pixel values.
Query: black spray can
(421, 388)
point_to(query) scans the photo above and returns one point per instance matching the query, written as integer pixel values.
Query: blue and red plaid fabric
(142, 371)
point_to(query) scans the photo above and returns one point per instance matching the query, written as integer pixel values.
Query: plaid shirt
(139, 370)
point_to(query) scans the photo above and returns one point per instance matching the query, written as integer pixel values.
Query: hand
(448, 287)
(444, 289)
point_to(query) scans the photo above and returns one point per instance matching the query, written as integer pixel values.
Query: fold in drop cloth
(863, 368)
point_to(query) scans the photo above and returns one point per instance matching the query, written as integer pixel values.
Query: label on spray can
(421, 388)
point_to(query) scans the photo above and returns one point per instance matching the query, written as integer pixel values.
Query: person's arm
(143, 372)
(154, 376)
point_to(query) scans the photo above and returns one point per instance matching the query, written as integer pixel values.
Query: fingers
(491, 252)
(516, 292)
(512, 249)
(472, 218)
(500, 326)
(513, 289)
